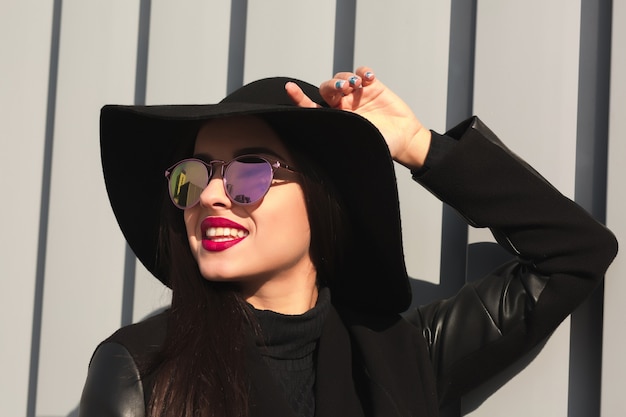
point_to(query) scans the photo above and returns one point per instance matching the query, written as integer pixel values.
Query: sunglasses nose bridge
(214, 193)
(211, 168)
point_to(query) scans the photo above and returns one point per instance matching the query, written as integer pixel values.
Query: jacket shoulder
(113, 387)
(118, 381)
(144, 339)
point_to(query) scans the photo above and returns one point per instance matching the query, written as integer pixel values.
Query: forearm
(492, 187)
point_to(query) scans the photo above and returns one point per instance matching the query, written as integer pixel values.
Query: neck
(284, 295)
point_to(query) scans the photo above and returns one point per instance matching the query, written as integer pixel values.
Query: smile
(224, 233)
(219, 234)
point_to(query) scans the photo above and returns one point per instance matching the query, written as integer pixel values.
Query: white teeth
(225, 233)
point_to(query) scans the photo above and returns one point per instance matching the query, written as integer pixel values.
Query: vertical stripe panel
(614, 331)
(454, 229)
(24, 97)
(406, 43)
(237, 44)
(141, 73)
(35, 349)
(345, 17)
(526, 78)
(591, 173)
(85, 250)
(188, 60)
(290, 38)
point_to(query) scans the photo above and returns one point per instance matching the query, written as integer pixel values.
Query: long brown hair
(201, 369)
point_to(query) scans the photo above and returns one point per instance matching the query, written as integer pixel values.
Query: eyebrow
(258, 150)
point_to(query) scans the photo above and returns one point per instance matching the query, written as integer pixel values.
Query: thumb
(298, 97)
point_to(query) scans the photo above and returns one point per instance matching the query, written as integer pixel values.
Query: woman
(280, 238)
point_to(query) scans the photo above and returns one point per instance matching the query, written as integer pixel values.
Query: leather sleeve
(113, 387)
(561, 255)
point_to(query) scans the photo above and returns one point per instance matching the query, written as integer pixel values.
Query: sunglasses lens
(186, 182)
(247, 179)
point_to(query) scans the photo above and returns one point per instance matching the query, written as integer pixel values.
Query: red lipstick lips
(219, 234)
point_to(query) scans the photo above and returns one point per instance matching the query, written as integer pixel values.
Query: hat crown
(271, 91)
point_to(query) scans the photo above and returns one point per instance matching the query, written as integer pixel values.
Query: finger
(334, 90)
(367, 75)
(353, 79)
(298, 97)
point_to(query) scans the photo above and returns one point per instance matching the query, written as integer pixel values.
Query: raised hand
(362, 93)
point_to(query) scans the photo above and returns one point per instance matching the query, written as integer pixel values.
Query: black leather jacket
(408, 366)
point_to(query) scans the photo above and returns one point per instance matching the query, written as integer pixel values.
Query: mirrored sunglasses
(246, 179)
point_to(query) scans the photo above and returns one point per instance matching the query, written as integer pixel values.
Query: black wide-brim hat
(138, 143)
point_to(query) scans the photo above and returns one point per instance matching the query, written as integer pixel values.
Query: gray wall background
(546, 76)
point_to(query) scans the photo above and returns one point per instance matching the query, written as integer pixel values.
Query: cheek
(190, 217)
(301, 222)
(293, 222)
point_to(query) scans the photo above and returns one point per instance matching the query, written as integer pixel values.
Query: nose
(214, 194)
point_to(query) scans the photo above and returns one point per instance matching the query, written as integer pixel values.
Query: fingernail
(339, 84)
(369, 74)
(353, 80)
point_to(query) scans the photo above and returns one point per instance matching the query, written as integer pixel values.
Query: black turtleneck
(288, 345)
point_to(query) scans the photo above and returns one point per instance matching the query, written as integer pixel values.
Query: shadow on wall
(482, 258)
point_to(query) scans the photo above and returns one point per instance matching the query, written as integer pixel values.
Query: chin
(212, 276)
(218, 274)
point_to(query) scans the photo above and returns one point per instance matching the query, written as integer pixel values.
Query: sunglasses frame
(274, 164)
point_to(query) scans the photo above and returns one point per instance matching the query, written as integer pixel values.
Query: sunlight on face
(266, 242)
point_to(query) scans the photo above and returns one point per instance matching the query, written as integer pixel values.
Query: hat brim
(138, 144)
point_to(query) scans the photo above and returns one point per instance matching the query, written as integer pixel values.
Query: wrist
(414, 154)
